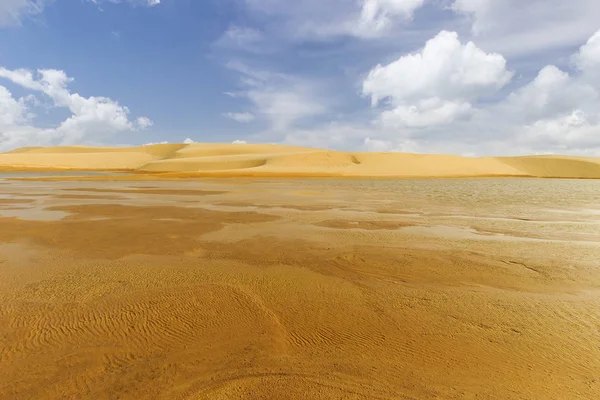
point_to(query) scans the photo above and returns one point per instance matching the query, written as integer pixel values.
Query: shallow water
(489, 192)
(534, 207)
(307, 289)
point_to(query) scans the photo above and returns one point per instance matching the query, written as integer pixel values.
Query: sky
(465, 77)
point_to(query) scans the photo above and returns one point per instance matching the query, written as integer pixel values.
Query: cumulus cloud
(451, 96)
(556, 110)
(378, 15)
(587, 59)
(436, 85)
(188, 141)
(445, 99)
(577, 129)
(92, 118)
(551, 92)
(428, 112)
(12, 111)
(239, 142)
(240, 117)
(589, 54)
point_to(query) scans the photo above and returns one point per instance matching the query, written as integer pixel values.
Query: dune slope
(209, 159)
(555, 166)
(85, 158)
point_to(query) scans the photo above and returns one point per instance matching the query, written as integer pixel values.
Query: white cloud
(153, 143)
(283, 106)
(12, 111)
(445, 99)
(523, 27)
(551, 92)
(92, 118)
(242, 38)
(406, 146)
(556, 111)
(564, 132)
(240, 117)
(589, 54)
(377, 145)
(428, 112)
(377, 15)
(587, 59)
(436, 85)
(317, 19)
(144, 122)
(239, 142)
(188, 141)
(282, 100)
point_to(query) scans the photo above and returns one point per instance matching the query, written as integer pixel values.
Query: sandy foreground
(306, 289)
(244, 160)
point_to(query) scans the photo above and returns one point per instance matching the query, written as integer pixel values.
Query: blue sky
(470, 77)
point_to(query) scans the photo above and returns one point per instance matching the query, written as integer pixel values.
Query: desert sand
(253, 160)
(299, 289)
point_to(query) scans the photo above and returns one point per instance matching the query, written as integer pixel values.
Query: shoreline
(175, 176)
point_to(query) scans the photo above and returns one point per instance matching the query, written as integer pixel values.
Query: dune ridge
(260, 160)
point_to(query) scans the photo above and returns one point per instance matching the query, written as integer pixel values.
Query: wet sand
(308, 289)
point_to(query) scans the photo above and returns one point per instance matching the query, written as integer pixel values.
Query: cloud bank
(92, 119)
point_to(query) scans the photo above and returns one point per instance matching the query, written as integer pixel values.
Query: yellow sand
(347, 289)
(205, 159)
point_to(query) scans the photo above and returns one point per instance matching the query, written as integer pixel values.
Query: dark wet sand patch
(30, 194)
(86, 197)
(314, 207)
(16, 201)
(113, 231)
(181, 192)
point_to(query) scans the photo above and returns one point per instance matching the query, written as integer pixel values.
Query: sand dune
(556, 166)
(277, 160)
(84, 158)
